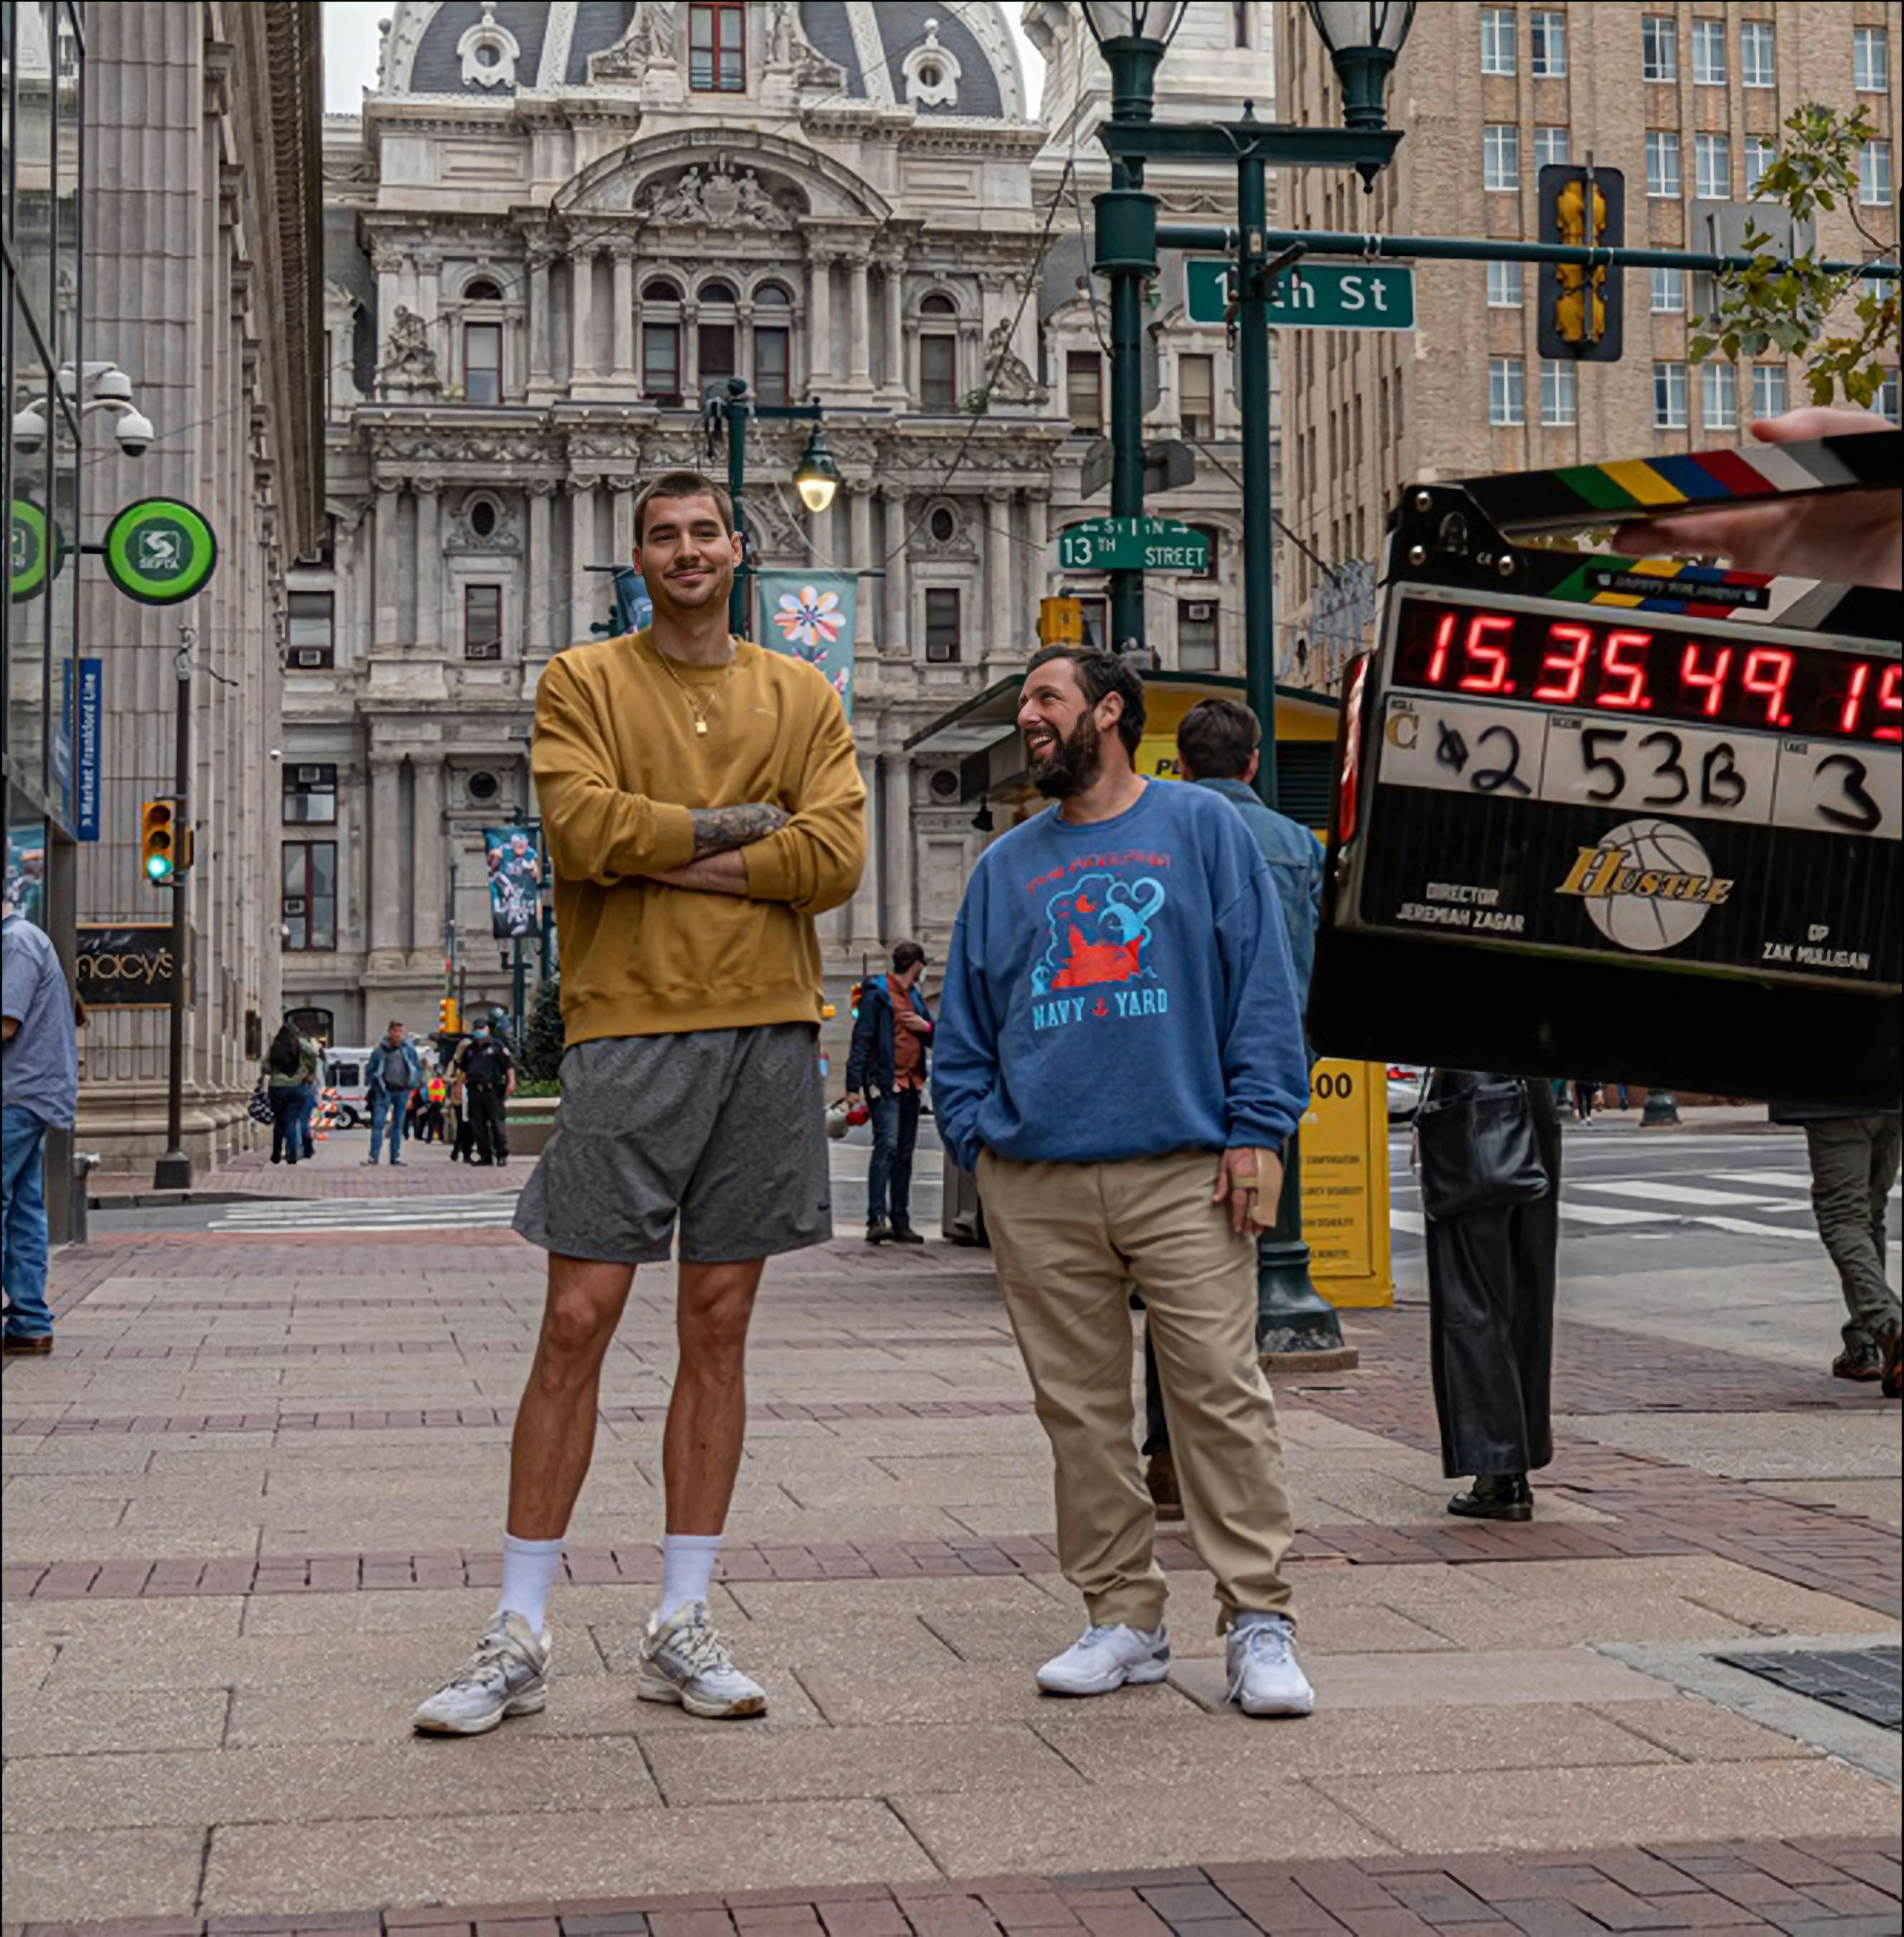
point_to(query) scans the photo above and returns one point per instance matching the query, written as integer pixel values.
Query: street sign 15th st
(1135, 544)
(1316, 295)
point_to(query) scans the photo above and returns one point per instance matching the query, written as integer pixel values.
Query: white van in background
(347, 1071)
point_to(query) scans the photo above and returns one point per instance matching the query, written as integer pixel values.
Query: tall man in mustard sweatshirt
(702, 805)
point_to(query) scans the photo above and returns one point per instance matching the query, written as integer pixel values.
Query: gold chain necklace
(700, 712)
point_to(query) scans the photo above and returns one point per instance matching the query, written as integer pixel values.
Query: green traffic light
(158, 866)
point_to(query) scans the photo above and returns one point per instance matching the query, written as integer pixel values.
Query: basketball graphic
(1653, 888)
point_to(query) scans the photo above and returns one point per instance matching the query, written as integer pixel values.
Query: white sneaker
(1264, 1676)
(1101, 1659)
(508, 1674)
(684, 1660)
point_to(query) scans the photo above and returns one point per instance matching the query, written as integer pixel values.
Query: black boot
(1495, 1496)
(878, 1230)
(903, 1233)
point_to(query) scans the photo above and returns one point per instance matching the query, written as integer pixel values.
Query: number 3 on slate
(1867, 813)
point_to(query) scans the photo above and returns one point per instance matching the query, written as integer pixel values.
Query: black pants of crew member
(485, 1109)
(1490, 1314)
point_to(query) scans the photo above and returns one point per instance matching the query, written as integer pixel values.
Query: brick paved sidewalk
(251, 1507)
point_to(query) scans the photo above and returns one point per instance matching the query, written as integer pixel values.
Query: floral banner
(810, 615)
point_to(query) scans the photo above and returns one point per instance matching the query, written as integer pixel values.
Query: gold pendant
(700, 725)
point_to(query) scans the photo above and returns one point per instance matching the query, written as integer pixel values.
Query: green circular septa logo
(160, 551)
(36, 549)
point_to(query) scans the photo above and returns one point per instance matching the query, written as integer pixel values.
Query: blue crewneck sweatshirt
(1120, 989)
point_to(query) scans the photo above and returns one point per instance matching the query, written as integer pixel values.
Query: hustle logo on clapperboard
(1646, 886)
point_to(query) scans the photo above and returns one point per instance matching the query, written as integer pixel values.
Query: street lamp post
(816, 477)
(1363, 37)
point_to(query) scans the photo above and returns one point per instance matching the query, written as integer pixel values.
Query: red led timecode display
(1620, 667)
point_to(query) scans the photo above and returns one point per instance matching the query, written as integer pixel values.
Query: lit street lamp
(815, 477)
(1363, 37)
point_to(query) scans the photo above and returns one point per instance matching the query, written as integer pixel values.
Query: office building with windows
(1687, 101)
(551, 232)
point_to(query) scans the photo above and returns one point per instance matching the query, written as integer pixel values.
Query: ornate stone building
(553, 227)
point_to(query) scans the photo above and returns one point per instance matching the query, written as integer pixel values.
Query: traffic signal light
(158, 849)
(1061, 622)
(1579, 307)
(448, 1021)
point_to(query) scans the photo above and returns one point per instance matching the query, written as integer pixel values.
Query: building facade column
(863, 935)
(582, 582)
(382, 854)
(622, 522)
(860, 325)
(895, 631)
(388, 549)
(624, 320)
(894, 288)
(429, 567)
(896, 840)
(820, 319)
(1000, 640)
(427, 872)
(538, 642)
(540, 377)
(581, 317)
(859, 558)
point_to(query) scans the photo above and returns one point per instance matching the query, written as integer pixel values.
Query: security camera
(275, 753)
(135, 431)
(114, 384)
(29, 432)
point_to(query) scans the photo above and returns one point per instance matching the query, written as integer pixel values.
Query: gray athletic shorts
(725, 1127)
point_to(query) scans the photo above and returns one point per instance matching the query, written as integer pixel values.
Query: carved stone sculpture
(1012, 382)
(409, 364)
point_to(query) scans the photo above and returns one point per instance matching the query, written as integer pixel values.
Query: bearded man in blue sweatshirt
(1119, 1056)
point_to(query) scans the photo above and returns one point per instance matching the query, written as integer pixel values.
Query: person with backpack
(892, 1034)
(489, 1077)
(436, 1097)
(290, 1064)
(395, 1070)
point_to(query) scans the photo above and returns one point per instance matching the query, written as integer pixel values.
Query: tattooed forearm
(718, 830)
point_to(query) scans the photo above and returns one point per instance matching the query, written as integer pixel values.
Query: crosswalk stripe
(1781, 1180)
(1690, 1195)
(1613, 1215)
(1743, 1227)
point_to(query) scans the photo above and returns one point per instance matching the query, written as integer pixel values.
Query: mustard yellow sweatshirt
(618, 767)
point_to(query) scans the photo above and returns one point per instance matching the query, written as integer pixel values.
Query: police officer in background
(488, 1074)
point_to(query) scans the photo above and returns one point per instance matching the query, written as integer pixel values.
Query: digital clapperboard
(1632, 819)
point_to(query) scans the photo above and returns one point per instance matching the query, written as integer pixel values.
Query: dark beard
(1072, 765)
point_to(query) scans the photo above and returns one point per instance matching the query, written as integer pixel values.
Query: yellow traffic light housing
(1579, 306)
(449, 1021)
(159, 856)
(1061, 622)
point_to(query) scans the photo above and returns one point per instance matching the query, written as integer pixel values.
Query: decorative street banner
(514, 855)
(811, 615)
(160, 551)
(121, 965)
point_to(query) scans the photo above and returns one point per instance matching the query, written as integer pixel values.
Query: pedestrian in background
(1220, 747)
(1120, 1058)
(1853, 1158)
(39, 1074)
(308, 1097)
(289, 1068)
(395, 1071)
(436, 1097)
(489, 1079)
(891, 1040)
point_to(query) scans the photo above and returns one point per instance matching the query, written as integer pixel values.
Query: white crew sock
(687, 1565)
(529, 1571)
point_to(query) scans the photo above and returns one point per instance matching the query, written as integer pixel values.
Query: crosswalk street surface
(268, 1218)
(1708, 1199)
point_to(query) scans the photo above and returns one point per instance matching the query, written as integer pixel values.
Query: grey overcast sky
(351, 52)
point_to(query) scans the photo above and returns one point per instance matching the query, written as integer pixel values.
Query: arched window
(771, 295)
(773, 344)
(481, 290)
(661, 341)
(717, 293)
(938, 356)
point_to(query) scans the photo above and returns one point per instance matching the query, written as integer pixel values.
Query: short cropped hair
(1101, 674)
(1217, 738)
(683, 484)
(905, 955)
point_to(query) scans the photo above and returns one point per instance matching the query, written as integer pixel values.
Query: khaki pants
(1070, 1239)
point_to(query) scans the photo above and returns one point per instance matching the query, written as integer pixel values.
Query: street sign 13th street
(1315, 296)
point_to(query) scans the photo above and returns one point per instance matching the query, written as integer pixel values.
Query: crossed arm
(719, 834)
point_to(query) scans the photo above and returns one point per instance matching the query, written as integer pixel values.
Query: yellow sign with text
(1344, 1154)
